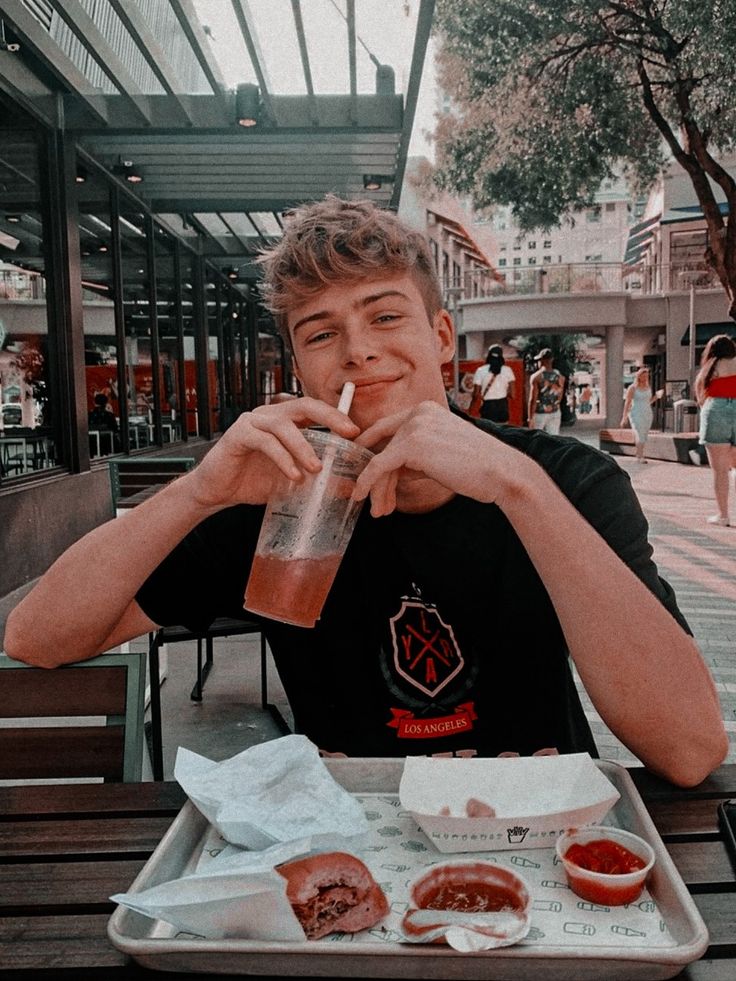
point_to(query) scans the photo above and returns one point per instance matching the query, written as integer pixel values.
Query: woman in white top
(494, 383)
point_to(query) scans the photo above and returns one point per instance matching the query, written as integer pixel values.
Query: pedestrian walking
(715, 390)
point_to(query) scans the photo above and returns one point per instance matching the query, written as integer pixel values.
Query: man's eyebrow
(363, 302)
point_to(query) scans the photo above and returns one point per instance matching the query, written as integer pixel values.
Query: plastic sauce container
(618, 864)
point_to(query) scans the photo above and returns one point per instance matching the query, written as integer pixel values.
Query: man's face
(377, 334)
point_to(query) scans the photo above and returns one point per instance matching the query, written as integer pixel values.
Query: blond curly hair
(336, 241)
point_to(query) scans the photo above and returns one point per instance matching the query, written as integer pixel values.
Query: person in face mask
(494, 384)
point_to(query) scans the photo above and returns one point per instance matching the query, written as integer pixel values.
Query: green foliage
(550, 96)
(568, 351)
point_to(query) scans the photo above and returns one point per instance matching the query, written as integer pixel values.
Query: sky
(386, 28)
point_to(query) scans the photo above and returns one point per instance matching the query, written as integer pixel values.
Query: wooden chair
(135, 479)
(222, 627)
(83, 720)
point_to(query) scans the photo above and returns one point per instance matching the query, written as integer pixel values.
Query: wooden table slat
(703, 863)
(65, 942)
(65, 883)
(90, 837)
(81, 799)
(685, 817)
(718, 909)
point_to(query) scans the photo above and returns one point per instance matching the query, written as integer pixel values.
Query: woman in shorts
(715, 390)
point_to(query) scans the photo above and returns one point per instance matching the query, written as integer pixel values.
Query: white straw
(346, 397)
(320, 482)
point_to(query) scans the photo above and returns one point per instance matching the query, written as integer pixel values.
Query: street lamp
(692, 275)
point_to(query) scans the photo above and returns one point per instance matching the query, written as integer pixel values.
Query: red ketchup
(607, 858)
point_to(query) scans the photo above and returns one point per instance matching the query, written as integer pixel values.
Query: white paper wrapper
(235, 896)
(277, 791)
(279, 801)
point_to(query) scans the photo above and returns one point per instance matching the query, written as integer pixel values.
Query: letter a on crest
(426, 653)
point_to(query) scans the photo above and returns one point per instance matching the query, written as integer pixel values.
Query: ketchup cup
(605, 888)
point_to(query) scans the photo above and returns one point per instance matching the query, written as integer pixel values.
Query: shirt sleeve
(479, 374)
(602, 493)
(204, 576)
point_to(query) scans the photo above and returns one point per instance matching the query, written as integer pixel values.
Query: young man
(546, 388)
(448, 627)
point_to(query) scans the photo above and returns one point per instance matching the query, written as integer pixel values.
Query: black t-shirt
(438, 636)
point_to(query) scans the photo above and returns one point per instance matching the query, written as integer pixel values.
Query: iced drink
(292, 590)
(305, 531)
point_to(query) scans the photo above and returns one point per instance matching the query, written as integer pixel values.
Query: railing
(588, 277)
(18, 284)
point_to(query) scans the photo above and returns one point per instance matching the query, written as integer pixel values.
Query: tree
(555, 96)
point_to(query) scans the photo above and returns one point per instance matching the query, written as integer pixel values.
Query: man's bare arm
(67, 616)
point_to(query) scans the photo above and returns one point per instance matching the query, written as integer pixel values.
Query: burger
(333, 892)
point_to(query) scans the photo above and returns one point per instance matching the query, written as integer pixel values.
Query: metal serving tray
(153, 943)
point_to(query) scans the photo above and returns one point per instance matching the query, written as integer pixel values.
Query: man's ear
(444, 332)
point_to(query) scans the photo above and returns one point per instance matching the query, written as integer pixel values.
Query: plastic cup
(305, 531)
(605, 889)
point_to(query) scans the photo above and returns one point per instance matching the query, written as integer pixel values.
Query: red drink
(292, 590)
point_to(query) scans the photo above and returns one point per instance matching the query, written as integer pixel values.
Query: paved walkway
(698, 560)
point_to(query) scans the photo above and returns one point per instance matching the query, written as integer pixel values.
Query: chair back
(130, 476)
(82, 720)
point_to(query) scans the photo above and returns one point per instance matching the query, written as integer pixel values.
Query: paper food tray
(379, 954)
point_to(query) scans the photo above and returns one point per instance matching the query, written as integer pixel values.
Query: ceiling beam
(247, 29)
(296, 9)
(232, 231)
(156, 58)
(96, 44)
(421, 40)
(18, 82)
(39, 43)
(187, 17)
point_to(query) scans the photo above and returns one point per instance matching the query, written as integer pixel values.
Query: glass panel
(28, 396)
(101, 356)
(169, 354)
(139, 374)
(214, 301)
(190, 364)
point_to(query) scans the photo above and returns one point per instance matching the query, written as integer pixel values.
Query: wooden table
(65, 849)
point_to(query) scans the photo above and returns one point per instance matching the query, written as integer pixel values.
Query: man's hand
(244, 464)
(425, 456)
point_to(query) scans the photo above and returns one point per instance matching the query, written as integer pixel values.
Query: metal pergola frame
(194, 158)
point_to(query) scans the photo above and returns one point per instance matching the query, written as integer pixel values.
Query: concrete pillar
(614, 380)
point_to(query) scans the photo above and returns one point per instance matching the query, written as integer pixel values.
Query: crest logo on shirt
(426, 653)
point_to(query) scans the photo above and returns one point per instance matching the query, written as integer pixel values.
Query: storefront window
(101, 355)
(168, 337)
(186, 274)
(28, 399)
(214, 332)
(136, 318)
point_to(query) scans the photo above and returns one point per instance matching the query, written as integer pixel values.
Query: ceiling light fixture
(374, 182)
(247, 104)
(82, 174)
(128, 170)
(5, 45)
(13, 219)
(232, 273)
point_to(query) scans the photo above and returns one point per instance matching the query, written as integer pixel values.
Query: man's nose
(357, 348)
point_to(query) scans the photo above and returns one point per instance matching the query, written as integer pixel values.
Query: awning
(463, 238)
(690, 212)
(704, 332)
(640, 235)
